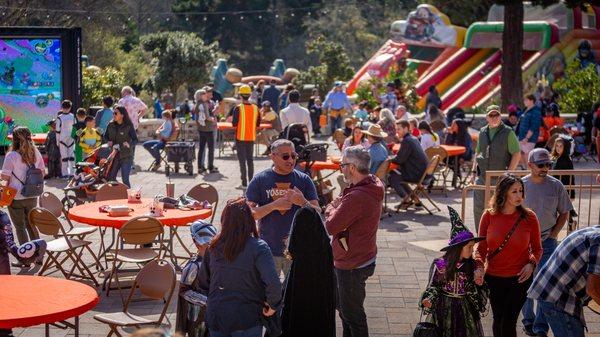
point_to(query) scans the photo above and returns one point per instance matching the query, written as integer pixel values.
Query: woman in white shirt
(428, 137)
(356, 138)
(17, 161)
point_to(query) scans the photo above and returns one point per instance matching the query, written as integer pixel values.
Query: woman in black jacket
(561, 157)
(120, 134)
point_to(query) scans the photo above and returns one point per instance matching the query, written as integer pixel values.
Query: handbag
(7, 194)
(424, 328)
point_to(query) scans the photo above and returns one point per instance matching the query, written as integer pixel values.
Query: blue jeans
(252, 332)
(124, 165)
(562, 324)
(336, 123)
(351, 298)
(540, 326)
(154, 147)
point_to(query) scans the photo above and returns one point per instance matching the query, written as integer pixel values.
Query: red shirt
(522, 247)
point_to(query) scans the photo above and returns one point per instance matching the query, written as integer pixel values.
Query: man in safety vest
(246, 119)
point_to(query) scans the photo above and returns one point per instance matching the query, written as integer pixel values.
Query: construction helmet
(245, 90)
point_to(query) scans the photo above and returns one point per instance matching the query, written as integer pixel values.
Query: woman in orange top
(551, 119)
(510, 252)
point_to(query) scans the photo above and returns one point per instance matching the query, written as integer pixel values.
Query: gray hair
(281, 143)
(127, 90)
(199, 93)
(387, 113)
(359, 157)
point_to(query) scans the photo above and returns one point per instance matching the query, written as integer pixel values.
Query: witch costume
(309, 293)
(457, 304)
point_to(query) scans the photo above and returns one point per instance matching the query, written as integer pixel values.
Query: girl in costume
(455, 298)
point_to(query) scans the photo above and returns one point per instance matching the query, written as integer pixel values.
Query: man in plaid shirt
(571, 275)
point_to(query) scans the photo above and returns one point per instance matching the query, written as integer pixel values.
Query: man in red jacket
(354, 232)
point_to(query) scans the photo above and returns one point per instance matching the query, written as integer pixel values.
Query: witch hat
(459, 234)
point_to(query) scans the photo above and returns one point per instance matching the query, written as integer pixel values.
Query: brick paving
(392, 293)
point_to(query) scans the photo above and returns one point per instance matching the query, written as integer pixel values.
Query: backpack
(33, 186)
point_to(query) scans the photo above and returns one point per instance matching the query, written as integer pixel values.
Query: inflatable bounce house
(225, 78)
(465, 64)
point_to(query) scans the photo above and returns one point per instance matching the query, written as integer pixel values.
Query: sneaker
(201, 169)
(213, 170)
(528, 330)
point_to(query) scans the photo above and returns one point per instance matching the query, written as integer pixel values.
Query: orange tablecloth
(453, 150)
(228, 126)
(38, 138)
(89, 214)
(33, 300)
(332, 163)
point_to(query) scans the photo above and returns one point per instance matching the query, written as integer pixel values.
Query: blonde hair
(23, 145)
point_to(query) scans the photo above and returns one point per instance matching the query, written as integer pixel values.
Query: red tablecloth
(453, 150)
(38, 138)
(332, 163)
(228, 126)
(89, 214)
(32, 300)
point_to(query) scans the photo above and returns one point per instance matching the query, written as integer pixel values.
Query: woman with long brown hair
(22, 155)
(238, 274)
(509, 254)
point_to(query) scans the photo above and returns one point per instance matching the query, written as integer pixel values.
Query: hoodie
(347, 219)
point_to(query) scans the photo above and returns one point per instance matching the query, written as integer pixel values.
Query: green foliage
(579, 89)
(178, 58)
(462, 13)
(408, 77)
(334, 65)
(100, 83)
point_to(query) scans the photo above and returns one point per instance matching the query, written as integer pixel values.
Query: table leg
(76, 326)
(456, 171)
(47, 330)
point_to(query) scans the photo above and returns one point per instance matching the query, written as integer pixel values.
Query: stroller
(89, 175)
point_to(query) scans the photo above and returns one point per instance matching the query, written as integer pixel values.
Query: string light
(89, 18)
(109, 18)
(187, 18)
(205, 18)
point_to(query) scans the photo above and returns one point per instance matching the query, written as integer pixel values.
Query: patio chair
(208, 192)
(382, 173)
(442, 170)
(137, 232)
(112, 191)
(420, 188)
(156, 280)
(51, 202)
(48, 224)
(163, 156)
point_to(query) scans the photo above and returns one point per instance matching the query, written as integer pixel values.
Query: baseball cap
(266, 103)
(337, 84)
(492, 109)
(202, 232)
(539, 156)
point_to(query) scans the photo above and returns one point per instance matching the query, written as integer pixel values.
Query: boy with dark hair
(52, 151)
(76, 133)
(89, 138)
(104, 116)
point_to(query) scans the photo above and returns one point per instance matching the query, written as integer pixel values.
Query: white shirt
(294, 113)
(133, 105)
(427, 141)
(13, 163)
(64, 126)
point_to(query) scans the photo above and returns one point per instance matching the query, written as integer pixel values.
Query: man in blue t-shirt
(275, 195)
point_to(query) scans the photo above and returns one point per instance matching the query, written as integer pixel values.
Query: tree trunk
(512, 54)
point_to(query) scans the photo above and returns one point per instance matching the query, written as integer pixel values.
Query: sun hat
(459, 234)
(202, 232)
(375, 131)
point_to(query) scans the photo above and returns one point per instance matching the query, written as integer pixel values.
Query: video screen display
(30, 80)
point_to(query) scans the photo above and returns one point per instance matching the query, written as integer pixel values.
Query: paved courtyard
(392, 293)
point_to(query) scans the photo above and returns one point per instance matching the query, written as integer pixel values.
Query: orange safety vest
(246, 127)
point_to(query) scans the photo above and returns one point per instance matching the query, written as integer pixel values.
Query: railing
(584, 185)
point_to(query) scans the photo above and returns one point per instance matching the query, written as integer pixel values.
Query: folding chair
(137, 232)
(442, 170)
(112, 191)
(47, 224)
(204, 191)
(51, 202)
(156, 280)
(420, 188)
(163, 156)
(382, 173)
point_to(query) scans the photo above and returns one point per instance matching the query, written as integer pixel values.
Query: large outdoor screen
(30, 80)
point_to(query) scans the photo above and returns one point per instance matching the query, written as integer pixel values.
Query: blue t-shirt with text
(268, 186)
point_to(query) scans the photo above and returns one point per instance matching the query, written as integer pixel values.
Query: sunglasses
(287, 156)
(546, 165)
(344, 164)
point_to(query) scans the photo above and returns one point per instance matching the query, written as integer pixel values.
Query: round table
(453, 150)
(33, 300)
(90, 214)
(38, 138)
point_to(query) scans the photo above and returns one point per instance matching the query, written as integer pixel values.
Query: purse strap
(506, 238)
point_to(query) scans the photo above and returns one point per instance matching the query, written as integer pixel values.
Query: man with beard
(548, 198)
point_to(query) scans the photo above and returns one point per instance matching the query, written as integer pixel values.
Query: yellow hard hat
(245, 90)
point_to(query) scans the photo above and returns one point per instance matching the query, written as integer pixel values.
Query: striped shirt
(562, 280)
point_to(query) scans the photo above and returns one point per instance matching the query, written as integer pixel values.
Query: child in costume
(76, 133)
(64, 126)
(191, 304)
(52, 151)
(456, 298)
(90, 138)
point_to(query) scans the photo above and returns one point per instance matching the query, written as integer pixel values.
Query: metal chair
(442, 170)
(112, 191)
(208, 192)
(156, 280)
(420, 188)
(48, 224)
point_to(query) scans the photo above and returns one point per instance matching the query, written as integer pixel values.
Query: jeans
(154, 147)
(336, 123)
(562, 324)
(245, 157)
(314, 119)
(206, 138)
(252, 332)
(507, 296)
(351, 297)
(124, 165)
(540, 326)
